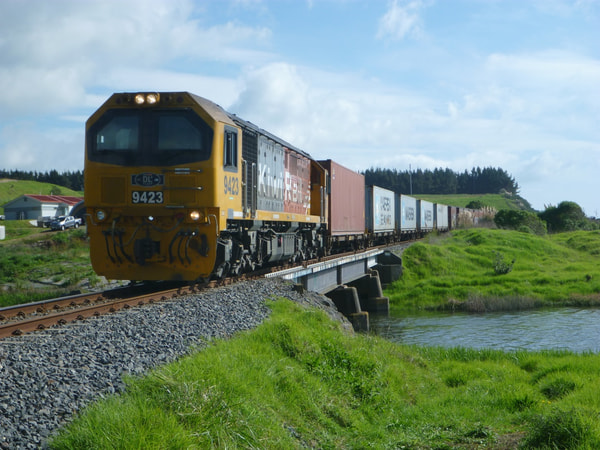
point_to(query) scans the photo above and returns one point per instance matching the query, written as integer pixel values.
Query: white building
(34, 207)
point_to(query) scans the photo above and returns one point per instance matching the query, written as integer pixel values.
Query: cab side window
(230, 149)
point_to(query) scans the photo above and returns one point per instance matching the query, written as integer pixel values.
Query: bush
(567, 216)
(520, 220)
(501, 267)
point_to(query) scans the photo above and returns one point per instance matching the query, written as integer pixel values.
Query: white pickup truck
(64, 222)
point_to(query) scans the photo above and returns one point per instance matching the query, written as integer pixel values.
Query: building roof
(66, 199)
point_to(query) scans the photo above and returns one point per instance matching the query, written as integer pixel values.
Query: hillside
(11, 189)
(498, 201)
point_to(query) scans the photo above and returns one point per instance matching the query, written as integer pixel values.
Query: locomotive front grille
(112, 190)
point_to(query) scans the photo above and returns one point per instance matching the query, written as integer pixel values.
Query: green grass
(498, 201)
(36, 266)
(462, 270)
(299, 381)
(18, 229)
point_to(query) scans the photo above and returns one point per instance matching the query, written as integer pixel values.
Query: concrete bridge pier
(389, 266)
(370, 293)
(347, 302)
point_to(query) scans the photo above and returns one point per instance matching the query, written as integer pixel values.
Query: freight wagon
(345, 206)
(380, 214)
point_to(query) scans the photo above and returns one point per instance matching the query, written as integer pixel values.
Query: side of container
(380, 210)
(346, 203)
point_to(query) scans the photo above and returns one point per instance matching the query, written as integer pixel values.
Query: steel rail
(33, 323)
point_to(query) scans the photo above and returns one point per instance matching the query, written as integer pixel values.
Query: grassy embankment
(299, 381)
(36, 263)
(465, 270)
(497, 201)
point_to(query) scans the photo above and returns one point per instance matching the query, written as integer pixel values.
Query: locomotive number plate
(150, 197)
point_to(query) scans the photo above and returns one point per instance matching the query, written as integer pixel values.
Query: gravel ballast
(48, 376)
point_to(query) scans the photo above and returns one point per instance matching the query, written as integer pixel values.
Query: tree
(520, 220)
(567, 216)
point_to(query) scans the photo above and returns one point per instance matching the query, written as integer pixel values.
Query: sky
(419, 84)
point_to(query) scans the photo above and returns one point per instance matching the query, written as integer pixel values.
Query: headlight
(195, 215)
(100, 215)
(152, 99)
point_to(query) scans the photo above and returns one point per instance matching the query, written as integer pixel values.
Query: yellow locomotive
(176, 188)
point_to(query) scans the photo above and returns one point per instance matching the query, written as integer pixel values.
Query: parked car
(64, 222)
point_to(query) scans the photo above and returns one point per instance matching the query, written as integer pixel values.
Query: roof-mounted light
(150, 99)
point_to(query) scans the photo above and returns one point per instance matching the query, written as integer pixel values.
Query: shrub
(520, 220)
(501, 267)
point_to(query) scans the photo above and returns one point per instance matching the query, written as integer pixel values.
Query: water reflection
(574, 329)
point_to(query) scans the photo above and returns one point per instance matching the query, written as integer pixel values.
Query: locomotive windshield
(136, 137)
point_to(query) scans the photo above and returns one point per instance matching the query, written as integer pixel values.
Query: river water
(575, 329)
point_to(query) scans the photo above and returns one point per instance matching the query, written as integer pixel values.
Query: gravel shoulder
(48, 376)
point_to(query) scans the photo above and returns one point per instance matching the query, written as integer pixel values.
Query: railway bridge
(353, 282)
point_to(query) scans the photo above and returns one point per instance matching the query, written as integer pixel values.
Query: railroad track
(25, 318)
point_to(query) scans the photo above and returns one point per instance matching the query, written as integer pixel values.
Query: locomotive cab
(152, 164)
(176, 188)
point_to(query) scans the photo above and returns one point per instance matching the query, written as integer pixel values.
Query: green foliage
(496, 201)
(501, 267)
(476, 204)
(523, 221)
(489, 180)
(567, 216)
(43, 265)
(461, 271)
(558, 429)
(68, 179)
(300, 381)
(557, 388)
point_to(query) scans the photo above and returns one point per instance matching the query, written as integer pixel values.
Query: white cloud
(25, 147)
(401, 19)
(51, 53)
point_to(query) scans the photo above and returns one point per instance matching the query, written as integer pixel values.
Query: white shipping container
(380, 209)
(407, 210)
(441, 217)
(426, 215)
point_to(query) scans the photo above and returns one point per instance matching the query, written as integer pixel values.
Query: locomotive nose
(144, 249)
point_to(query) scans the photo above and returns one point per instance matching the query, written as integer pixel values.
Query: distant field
(11, 189)
(498, 201)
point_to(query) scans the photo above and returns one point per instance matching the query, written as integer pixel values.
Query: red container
(346, 203)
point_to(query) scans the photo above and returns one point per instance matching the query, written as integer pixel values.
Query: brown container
(296, 185)
(346, 200)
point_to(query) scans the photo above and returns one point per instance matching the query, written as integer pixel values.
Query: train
(177, 188)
